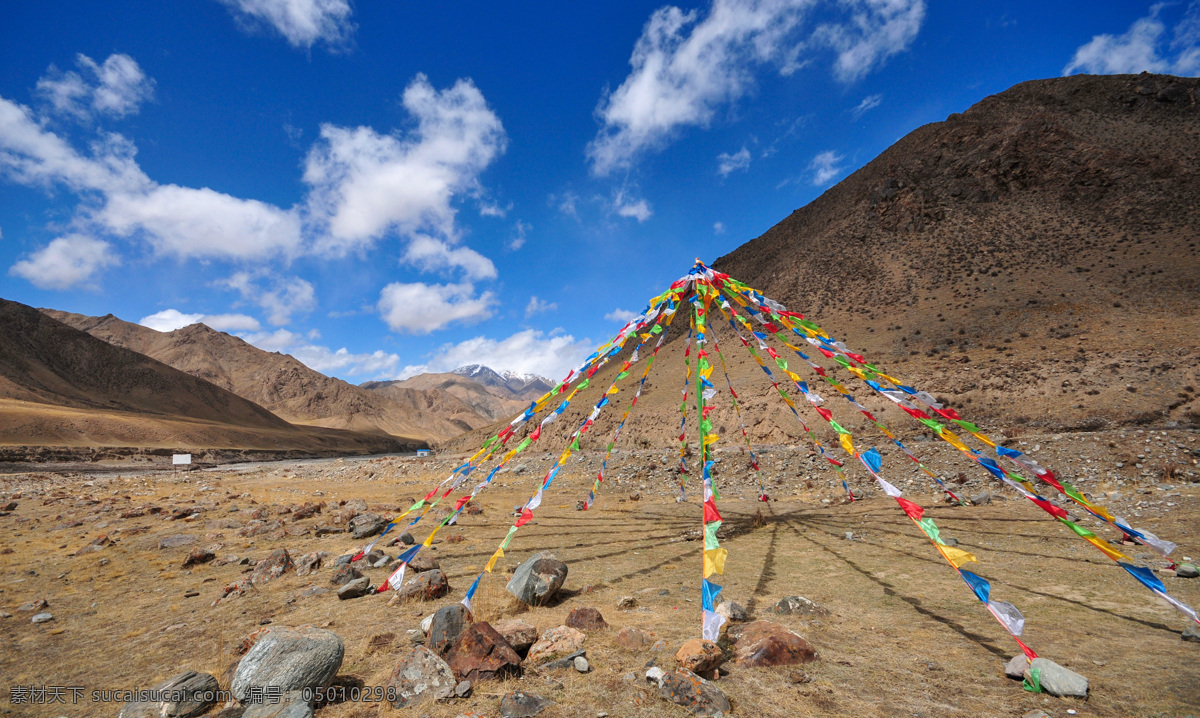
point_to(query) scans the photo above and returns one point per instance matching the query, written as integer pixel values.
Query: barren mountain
(61, 386)
(1033, 261)
(284, 385)
(507, 383)
(490, 403)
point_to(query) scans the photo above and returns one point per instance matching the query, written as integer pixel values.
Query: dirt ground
(905, 637)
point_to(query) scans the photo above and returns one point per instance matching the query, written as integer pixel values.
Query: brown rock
(426, 586)
(198, 556)
(482, 653)
(309, 563)
(697, 695)
(344, 574)
(698, 655)
(272, 567)
(518, 634)
(763, 643)
(423, 562)
(556, 642)
(586, 619)
(632, 638)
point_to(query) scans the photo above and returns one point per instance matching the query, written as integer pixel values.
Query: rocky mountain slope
(284, 385)
(62, 386)
(481, 399)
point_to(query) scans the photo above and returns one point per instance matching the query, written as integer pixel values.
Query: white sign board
(181, 459)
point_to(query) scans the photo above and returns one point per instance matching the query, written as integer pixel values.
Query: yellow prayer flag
(984, 439)
(953, 440)
(793, 376)
(856, 372)
(429, 540)
(714, 561)
(613, 389)
(511, 453)
(1107, 548)
(492, 561)
(957, 556)
(846, 443)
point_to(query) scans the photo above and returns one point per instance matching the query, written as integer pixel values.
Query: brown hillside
(284, 385)
(483, 400)
(61, 386)
(1032, 260)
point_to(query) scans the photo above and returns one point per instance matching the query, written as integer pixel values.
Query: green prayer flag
(504, 544)
(1077, 528)
(710, 535)
(583, 384)
(524, 444)
(837, 427)
(621, 376)
(930, 529)
(967, 425)
(656, 329)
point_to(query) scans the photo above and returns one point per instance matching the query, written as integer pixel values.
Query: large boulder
(272, 567)
(426, 586)
(421, 675)
(1056, 680)
(365, 525)
(699, 656)
(193, 694)
(447, 625)
(481, 653)
(537, 580)
(354, 589)
(345, 574)
(423, 562)
(698, 696)
(556, 642)
(732, 611)
(291, 659)
(586, 619)
(763, 643)
(518, 634)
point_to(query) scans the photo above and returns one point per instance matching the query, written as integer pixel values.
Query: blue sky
(386, 188)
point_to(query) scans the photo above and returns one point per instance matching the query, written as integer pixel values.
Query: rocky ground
(145, 578)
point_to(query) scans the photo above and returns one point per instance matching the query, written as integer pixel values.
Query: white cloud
(493, 209)
(875, 31)
(1143, 47)
(620, 315)
(868, 103)
(718, 228)
(66, 262)
(168, 320)
(365, 184)
(628, 207)
(117, 88)
(520, 229)
(420, 308)
(727, 163)
(431, 255)
(538, 306)
(566, 203)
(529, 351)
(301, 22)
(685, 67)
(284, 297)
(825, 167)
(372, 365)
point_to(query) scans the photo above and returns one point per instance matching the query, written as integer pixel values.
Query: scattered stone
(291, 659)
(1186, 570)
(659, 645)
(1036, 713)
(309, 562)
(354, 589)
(586, 619)
(695, 694)
(763, 643)
(799, 605)
(272, 567)
(1056, 680)
(518, 634)
(626, 603)
(849, 535)
(1015, 668)
(655, 674)
(522, 705)
(427, 586)
(238, 588)
(732, 611)
(176, 541)
(446, 626)
(481, 654)
(327, 530)
(198, 556)
(1191, 633)
(537, 579)
(462, 689)
(699, 656)
(981, 498)
(420, 675)
(581, 664)
(423, 562)
(193, 694)
(366, 525)
(345, 574)
(43, 617)
(37, 605)
(556, 642)
(562, 663)
(632, 638)
(947, 541)
(407, 539)
(292, 705)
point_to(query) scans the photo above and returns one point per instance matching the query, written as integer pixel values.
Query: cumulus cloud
(520, 229)
(365, 183)
(301, 22)
(369, 365)
(168, 320)
(420, 308)
(620, 315)
(1145, 46)
(825, 167)
(868, 103)
(118, 87)
(431, 255)
(538, 306)
(66, 262)
(727, 163)
(280, 298)
(626, 206)
(685, 67)
(529, 351)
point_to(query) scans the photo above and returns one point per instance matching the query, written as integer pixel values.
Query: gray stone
(947, 541)
(43, 617)
(1056, 680)
(522, 705)
(407, 539)
(983, 497)
(423, 562)
(291, 658)
(1191, 633)
(799, 605)
(565, 662)
(354, 589)
(1186, 570)
(698, 696)
(732, 611)
(292, 705)
(345, 574)
(1036, 713)
(420, 676)
(365, 525)
(426, 586)
(655, 674)
(176, 541)
(537, 579)
(447, 625)
(581, 664)
(463, 689)
(309, 563)
(191, 688)
(1015, 668)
